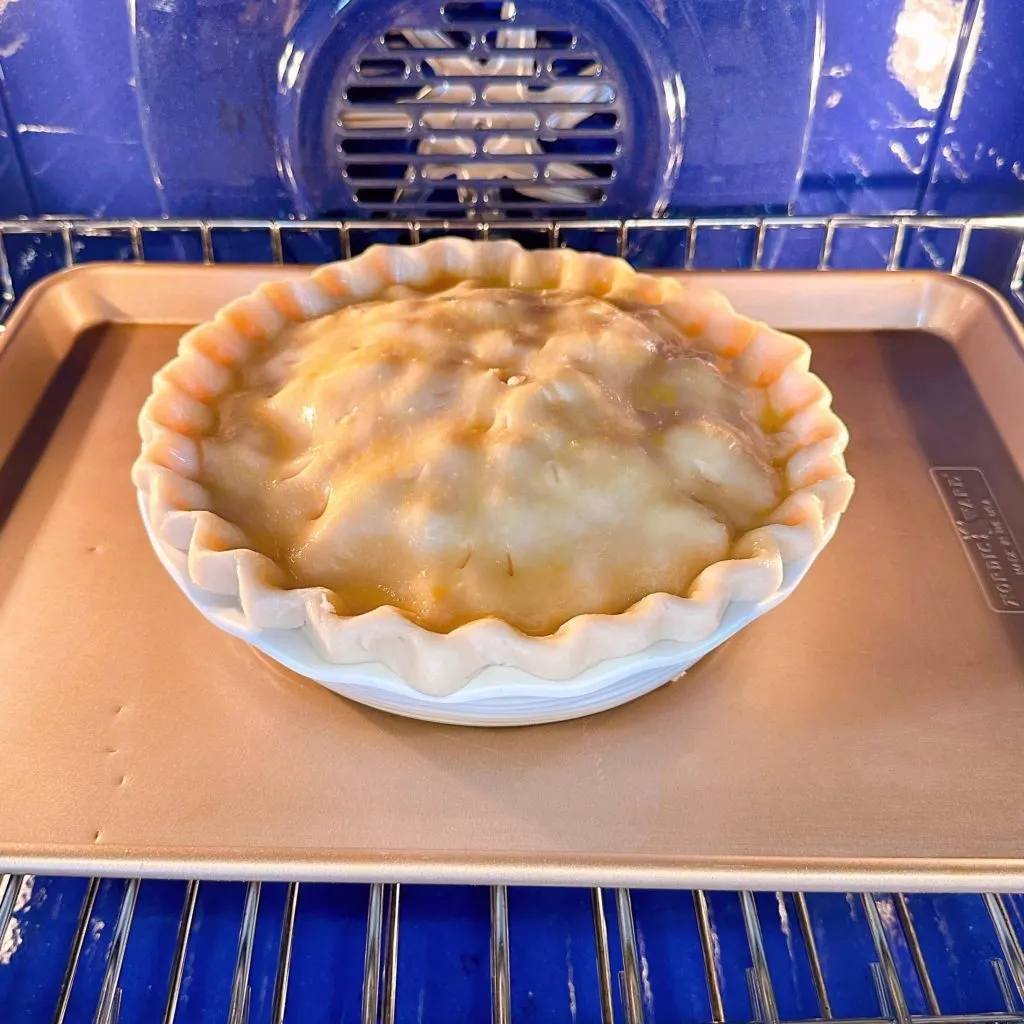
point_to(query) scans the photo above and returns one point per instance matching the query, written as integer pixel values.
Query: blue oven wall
(980, 153)
(171, 108)
(70, 89)
(15, 197)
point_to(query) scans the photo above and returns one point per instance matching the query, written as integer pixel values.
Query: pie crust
(217, 397)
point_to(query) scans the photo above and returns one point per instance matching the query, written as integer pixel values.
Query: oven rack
(988, 248)
(102, 979)
(83, 949)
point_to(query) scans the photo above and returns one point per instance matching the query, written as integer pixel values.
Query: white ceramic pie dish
(485, 672)
(498, 695)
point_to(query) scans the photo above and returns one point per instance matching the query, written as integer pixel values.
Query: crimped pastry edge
(220, 562)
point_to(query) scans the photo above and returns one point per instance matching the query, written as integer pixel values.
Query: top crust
(595, 469)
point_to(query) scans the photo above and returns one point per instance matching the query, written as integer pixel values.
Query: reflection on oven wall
(257, 108)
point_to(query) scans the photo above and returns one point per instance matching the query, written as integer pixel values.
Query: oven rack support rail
(891, 242)
(621, 974)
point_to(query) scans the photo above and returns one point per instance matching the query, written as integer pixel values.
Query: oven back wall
(230, 108)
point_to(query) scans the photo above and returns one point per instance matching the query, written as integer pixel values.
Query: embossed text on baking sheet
(984, 533)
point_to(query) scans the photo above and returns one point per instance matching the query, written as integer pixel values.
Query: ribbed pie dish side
(247, 593)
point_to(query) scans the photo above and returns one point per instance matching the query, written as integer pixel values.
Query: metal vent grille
(481, 116)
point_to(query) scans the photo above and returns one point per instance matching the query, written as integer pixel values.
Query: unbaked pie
(460, 454)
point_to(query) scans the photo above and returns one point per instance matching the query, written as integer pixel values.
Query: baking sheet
(866, 734)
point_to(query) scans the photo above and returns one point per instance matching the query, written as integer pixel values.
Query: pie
(462, 453)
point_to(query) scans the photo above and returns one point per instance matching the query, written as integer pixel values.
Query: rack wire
(905, 974)
(900, 970)
(891, 242)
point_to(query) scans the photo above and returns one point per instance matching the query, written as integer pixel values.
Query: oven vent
(480, 116)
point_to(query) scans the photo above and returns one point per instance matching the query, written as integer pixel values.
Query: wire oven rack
(249, 952)
(191, 951)
(988, 248)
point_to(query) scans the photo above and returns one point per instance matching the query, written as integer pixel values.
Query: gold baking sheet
(869, 733)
